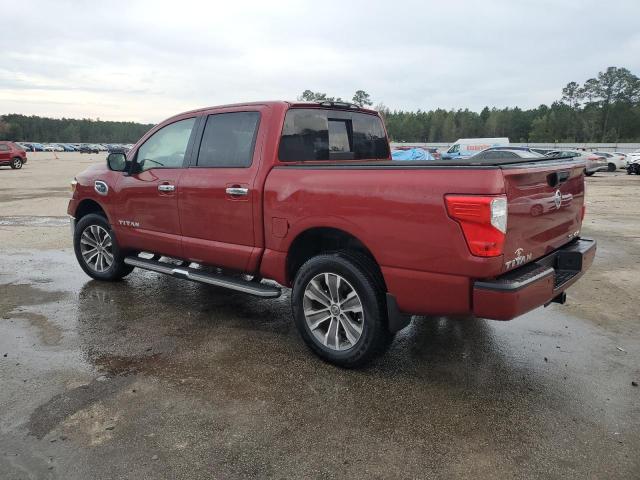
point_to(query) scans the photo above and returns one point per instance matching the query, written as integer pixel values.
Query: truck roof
(288, 104)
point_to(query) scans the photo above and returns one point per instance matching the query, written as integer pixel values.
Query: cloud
(146, 60)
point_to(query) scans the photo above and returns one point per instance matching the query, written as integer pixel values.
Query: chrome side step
(252, 288)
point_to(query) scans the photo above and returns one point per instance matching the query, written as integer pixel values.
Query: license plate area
(568, 261)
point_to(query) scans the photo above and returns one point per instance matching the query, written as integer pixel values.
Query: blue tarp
(411, 154)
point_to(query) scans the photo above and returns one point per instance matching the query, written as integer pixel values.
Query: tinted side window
(314, 134)
(166, 148)
(229, 139)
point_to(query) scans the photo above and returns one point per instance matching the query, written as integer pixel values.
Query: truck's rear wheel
(97, 250)
(339, 308)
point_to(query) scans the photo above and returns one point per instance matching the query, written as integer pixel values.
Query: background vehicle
(614, 160)
(634, 166)
(632, 157)
(625, 156)
(12, 155)
(306, 194)
(542, 151)
(88, 149)
(505, 153)
(465, 147)
(113, 147)
(594, 163)
(411, 154)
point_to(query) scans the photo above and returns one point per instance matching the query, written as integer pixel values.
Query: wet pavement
(156, 377)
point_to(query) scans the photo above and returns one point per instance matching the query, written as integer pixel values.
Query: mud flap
(396, 319)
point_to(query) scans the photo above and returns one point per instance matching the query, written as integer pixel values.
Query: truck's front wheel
(339, 308)
(97, 250)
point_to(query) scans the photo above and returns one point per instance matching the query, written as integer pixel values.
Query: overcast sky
(143, 61)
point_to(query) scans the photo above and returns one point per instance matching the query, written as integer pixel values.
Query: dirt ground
(154, 377)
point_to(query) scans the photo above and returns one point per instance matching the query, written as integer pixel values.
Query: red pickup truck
(306, 194)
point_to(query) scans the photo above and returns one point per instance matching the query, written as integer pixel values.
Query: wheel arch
(87, 206)
(316, 240)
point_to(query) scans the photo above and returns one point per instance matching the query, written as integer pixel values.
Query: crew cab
(306, 195)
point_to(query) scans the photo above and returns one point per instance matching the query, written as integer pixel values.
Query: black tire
(362, 276)
(588, 174)
(611, 167)
(16, 163)
(118, 269)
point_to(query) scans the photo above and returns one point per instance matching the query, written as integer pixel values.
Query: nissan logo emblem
(557, 199)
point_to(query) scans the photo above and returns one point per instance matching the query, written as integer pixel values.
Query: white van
(465, 147)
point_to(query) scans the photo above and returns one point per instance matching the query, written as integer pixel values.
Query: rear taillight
(483, 220)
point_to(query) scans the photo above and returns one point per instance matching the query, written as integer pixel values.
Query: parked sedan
(12, 155)
(535, 151)
(504, 153)
(594, 163)
(614, 160)
(88, 149)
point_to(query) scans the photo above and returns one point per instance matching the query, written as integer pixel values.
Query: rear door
(545, 201)
(147, 206)
(219, 196)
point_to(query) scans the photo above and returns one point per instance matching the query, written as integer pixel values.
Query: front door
(147, 216)
(219, 198)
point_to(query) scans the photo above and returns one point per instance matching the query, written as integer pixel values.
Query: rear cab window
(319, 134)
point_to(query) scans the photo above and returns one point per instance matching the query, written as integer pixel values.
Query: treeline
(605, 108)
(41, 129)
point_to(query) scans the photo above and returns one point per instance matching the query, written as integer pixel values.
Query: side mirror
(117, 162)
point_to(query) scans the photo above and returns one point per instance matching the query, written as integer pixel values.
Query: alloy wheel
(96, 247)
(333, 311)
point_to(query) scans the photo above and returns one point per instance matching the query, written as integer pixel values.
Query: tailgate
(545, 202)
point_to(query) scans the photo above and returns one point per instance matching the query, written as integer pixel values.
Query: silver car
(594, 163)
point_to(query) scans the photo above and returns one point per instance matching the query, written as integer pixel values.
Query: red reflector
(475, 216)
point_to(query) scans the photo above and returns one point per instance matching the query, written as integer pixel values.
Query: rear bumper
(534, 284)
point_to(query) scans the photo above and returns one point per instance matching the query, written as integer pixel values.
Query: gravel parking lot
(155, 377)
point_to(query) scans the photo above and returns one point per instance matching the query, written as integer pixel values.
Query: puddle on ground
(49, 333)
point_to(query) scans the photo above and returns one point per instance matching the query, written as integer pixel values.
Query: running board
(253, 288)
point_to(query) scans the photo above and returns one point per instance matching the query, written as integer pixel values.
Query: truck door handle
(165, 187)
(237, 191)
